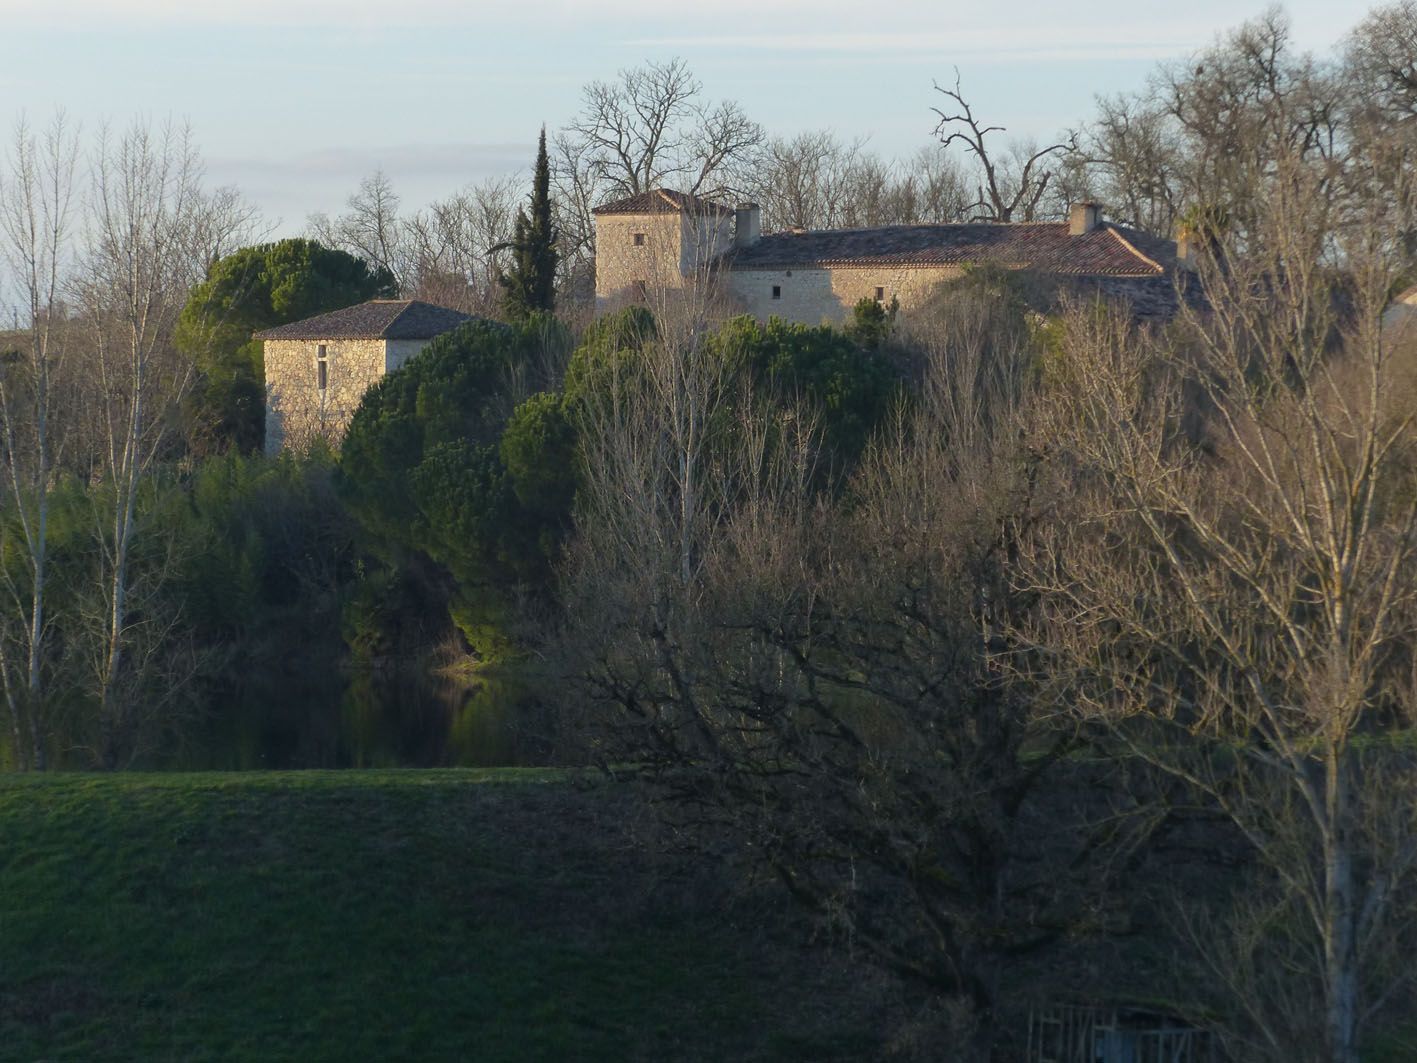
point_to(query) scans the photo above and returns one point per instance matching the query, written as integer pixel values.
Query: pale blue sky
(296, 100)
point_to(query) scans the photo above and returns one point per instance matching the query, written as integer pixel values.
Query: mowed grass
(468, 915)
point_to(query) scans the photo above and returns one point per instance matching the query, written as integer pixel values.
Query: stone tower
(658, 241)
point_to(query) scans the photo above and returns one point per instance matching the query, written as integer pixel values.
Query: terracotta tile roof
(378, 319)
(663, 201)
(1045, 246)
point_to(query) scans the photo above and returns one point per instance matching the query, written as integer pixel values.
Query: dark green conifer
(529, 286)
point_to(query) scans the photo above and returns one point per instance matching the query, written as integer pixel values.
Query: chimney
(1186, 240)
(747, 225)
(1083, 218)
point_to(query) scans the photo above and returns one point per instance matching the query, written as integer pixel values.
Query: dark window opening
(641, 289)
(880, 294)
(777, 291)
(322, 368)
(639, 239)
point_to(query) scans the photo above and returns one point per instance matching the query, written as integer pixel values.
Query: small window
(777, 291)
(322, 367)
(639, 239)
(880, 295)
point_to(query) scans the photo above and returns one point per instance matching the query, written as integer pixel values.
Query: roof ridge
(910, 225)
(407, 306)
(371, 319)
(1134, 249)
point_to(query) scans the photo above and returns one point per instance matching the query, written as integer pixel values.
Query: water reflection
(370, 718)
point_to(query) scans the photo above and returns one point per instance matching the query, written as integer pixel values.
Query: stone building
(318, 369)
(663, 240)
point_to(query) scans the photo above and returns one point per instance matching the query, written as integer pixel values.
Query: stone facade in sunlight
(662, 240)
(318, 370)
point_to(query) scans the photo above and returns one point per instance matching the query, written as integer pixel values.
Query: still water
(362, 719)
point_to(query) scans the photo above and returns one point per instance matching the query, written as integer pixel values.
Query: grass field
(470, 915)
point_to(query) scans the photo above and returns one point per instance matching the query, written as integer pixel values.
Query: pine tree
(529, 285)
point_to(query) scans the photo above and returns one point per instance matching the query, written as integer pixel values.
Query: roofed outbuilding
(317, 370)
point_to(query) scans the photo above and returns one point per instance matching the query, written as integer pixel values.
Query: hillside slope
(386, 915)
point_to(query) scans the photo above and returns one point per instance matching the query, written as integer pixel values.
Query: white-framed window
(322, 367)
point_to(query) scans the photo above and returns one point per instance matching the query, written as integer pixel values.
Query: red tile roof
(663, 201)
(1046, 246)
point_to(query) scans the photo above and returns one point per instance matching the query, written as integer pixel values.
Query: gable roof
(1407, 297)
(663, 201)
(378, 319)
(1107, 250)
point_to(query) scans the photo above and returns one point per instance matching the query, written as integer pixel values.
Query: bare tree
(810, 676)
(1010, 187)
(1210, 129)
(649, 128)
(370, 228)
(817, 181)
(1381, 57)
(36, 223)
(146, 219)
(1130, 159)
(1233, 591)
(226, 223)
(456, 247)
(930, 188)
(1379, 79)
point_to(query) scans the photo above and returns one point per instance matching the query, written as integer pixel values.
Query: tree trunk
(1340, 911)
(34, 685)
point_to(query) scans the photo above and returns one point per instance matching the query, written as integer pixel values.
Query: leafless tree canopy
(370, 228)
(1199, 138)
(651, 127)
(810, 672)
(1229, 585)
(37, 218)
(1011, 186)
(105, 244)
(816, 181)
(448, 253)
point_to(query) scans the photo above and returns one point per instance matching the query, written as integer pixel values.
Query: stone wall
(297, 411)
(620, 262)
(676, 246)
(818, 296)
(706, 236)
(398, 352)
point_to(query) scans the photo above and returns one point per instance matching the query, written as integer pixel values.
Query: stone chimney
(1084, 217)
(1187, 243)
(747, 225)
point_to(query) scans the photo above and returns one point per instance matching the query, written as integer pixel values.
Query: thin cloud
(1073, 42)
(414, 161)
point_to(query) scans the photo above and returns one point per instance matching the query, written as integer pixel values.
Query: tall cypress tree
(530, 284)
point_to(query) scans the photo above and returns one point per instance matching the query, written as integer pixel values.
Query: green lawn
(479, 915)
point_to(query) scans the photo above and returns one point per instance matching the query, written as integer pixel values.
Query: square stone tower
(657, 241)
